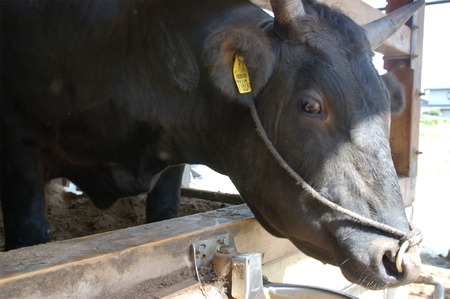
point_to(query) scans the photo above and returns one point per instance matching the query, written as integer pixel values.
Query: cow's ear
(254, 49)
(396, 93)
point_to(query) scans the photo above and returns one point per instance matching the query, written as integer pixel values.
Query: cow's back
(92, 84)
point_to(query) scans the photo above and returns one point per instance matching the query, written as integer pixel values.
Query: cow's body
(108, 94)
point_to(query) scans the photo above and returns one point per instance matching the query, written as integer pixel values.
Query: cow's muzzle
(376, 267)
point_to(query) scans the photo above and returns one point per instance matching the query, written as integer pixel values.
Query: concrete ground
(432, 206)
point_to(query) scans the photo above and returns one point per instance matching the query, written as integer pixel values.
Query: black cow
(110, 93)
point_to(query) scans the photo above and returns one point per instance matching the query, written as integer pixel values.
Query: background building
(437, 98)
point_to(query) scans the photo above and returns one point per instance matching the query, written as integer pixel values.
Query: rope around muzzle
(407, 239)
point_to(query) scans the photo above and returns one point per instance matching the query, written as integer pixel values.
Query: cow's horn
(380, 30)
(286, 10)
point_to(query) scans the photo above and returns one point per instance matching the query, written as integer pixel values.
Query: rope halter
(407, 239)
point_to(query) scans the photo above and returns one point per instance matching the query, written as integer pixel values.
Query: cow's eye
(310, 105)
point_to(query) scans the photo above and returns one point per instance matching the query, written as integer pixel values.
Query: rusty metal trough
(104, 264)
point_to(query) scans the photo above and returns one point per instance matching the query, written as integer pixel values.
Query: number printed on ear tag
(240, 74)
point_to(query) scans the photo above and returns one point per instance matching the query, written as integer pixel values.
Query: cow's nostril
(389, 266)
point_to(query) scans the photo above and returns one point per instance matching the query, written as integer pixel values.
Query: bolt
(417, 152)
(227, 249)
(400, 65)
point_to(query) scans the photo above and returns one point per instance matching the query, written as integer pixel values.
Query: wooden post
(405, 127)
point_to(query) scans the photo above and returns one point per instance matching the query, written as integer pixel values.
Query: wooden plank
(405, 187)
(416, 64)
(400, 139)
(362, 13)
(103, 264)
(405, 127)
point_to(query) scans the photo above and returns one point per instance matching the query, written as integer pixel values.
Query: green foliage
(433, 119)
(429, 122)
(435, 112)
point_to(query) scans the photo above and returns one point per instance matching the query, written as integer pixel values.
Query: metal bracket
(204, 250)
(412, 56)
(246, 276)
(246, 269)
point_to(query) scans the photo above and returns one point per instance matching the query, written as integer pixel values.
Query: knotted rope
(407, 239)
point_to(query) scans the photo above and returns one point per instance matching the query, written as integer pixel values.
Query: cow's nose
(410, 263)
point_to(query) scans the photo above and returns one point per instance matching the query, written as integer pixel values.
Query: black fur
(396, 93)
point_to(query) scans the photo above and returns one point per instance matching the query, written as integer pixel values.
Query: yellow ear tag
(240, 74)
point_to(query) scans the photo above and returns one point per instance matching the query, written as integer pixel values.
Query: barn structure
(158, 260)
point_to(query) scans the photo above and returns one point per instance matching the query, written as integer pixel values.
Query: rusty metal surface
(103, 264)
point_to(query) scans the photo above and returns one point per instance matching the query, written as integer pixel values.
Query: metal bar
(399, 57)
(436, 282)
(426, 3)
(108, 263)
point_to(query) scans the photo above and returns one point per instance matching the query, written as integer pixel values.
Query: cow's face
(330, 122)
(327, 112)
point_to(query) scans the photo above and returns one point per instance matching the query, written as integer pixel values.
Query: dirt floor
(72, 216)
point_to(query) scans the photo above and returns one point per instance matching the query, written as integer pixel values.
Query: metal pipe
(426, 3)
(433, 280)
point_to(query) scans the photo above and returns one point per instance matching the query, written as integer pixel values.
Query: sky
(436, 46)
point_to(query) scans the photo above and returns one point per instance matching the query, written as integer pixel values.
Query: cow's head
(327, 112)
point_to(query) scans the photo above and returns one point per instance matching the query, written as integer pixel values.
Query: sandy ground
(73, 216)
(432, 206)
(431, 216)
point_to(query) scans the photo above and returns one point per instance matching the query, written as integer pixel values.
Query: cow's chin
(355, 272)
(319, 253)
(368, 267)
